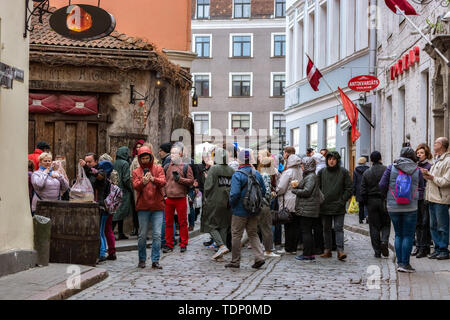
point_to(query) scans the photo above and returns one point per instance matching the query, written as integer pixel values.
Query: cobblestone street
(194, 275)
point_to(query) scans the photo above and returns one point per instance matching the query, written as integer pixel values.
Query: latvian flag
(313, 75)
(401, 6)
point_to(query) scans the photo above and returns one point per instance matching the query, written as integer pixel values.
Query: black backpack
(253, 200)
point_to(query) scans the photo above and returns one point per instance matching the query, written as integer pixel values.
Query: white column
(295, 44)
(306, 37)
(330, 33)
(343, 28)
(317, 34)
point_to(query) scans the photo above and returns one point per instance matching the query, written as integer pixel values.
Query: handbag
(281, 216)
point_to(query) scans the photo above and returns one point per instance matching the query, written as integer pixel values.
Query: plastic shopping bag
(353, 207)
(82, 190)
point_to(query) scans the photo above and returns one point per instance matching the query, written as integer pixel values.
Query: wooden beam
(75, 86)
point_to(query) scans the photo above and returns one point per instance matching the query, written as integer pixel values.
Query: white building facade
(335, 34)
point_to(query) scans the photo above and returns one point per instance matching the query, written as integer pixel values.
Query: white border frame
(210, 43)
(203, 74)
(272, 44)
(209, 119)
(230, 114)
(272, 74)
(272, 113)
(230, 83)
(230, 54)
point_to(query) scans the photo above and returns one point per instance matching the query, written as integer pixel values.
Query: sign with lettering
(407, 61)
(82, 22)
(363, 83)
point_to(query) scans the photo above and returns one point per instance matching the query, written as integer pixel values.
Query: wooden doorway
(69, 136)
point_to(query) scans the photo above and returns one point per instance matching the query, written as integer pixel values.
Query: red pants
(180, 204)
(109, 234)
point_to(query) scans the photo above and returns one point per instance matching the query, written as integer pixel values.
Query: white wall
(16, 227)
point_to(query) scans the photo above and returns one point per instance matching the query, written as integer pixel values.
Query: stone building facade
(412, 99)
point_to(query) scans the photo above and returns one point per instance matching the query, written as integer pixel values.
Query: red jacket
(150, 196)
(35, 158)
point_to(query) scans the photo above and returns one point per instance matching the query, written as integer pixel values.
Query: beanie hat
(106, 166)
(375, 157)
(166, 147)
(42, 145)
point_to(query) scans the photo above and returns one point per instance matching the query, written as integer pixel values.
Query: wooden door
(69, 136)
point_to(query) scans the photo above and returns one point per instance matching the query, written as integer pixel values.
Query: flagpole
(423, 36)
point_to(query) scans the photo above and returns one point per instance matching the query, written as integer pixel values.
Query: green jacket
(336, 186)
(216, 213)
(123, 168)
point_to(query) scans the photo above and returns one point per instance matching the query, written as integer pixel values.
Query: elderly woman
(47, 183)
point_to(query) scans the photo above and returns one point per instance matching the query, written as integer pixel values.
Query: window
(203, 46)
(278, 127)
(278, 84)
(201, 123)
(279, 45)
(241, 8)
(241, 85)
(202, 9)
(295, 138)
(202, 85)
(280, 8)
(240, 121)
(242, 46)
(330, 134)
(313, 135)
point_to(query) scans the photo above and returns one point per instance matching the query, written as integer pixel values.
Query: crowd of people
(238, 193)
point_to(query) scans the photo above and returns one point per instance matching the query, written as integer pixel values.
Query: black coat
(357, 179)
(370, 180)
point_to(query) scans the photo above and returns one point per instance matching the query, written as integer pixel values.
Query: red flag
(313, 75)
(403, 5)
(352, 114)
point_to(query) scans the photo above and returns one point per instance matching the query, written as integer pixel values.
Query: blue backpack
(403, 184)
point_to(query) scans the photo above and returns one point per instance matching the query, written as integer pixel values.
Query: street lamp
(362, 99)
(195, 99)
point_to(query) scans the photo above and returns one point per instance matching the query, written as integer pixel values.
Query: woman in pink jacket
(47, 183)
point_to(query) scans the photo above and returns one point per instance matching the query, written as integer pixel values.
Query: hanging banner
(82, 22)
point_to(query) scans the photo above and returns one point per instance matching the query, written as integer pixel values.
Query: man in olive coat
(122, 166)
(336, 185)
(216, 215)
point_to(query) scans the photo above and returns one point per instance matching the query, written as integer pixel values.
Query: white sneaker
(282, 251)
(221, 252)
(271, 255)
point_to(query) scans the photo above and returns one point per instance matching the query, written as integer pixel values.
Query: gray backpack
(253, 200)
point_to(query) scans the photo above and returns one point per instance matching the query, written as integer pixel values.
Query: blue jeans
(103, 250)
(156, 218)
(439, 226)
(405, 229)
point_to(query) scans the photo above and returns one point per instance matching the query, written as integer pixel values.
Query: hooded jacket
(307, 203)
(216, 212)
(123, 169)
(388, 182)
(293, 172)
(149, 197)
(35, 158)
(357, 179)
(336, 186)
(438, 189)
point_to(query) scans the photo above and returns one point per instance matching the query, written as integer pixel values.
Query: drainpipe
(372, 66)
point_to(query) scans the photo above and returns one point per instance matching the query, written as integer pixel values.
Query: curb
(62, 292)
(366, 233)
(134, 247)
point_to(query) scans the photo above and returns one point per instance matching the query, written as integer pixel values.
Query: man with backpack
(149, 181)
(179, 178)
(246, 201)
(401, 183)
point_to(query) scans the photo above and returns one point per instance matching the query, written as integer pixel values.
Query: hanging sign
(364, 83)
(82, 22)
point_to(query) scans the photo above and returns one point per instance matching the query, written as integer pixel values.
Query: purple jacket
(46, 187)
(424, 165)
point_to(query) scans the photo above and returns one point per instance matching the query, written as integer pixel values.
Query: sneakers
(282, 251)
(443, 256)
(232, 265)
(415, 251)
(183, 249)
(271, 255)
(406, 268)
(156, 265)
(167, 249)
(434, 255)
(222, 251)
(258, 264)
(384, 249)
(305, 258)
(111, 257)
(141, 264)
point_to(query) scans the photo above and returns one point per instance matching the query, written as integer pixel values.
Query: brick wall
(223, 9)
